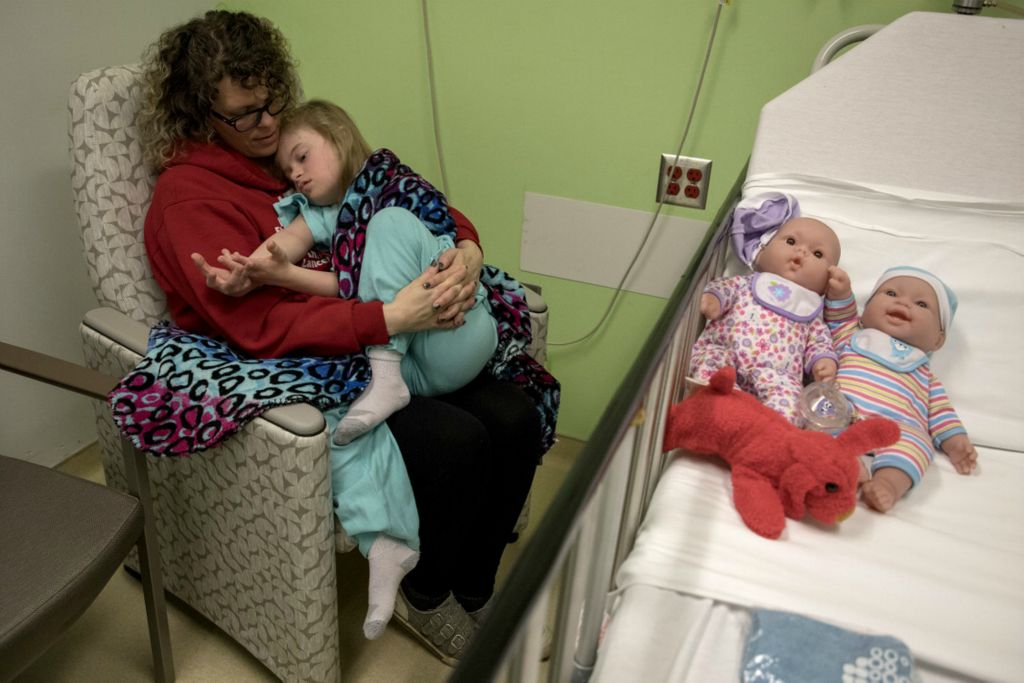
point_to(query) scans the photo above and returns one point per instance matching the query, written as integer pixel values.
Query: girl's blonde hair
(182, 69)
(335, 125)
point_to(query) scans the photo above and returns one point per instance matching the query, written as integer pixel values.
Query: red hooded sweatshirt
(212, 198)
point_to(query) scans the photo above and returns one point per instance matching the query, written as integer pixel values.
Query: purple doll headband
(756, 219)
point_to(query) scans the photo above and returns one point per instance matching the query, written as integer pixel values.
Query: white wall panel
(594, 243)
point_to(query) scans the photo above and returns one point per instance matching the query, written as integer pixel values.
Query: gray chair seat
(62, 538)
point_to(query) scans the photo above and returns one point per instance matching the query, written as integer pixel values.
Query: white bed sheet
(942, 571)
(702, 643)
(705, 643)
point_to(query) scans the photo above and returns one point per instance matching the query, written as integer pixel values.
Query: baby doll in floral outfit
(768, 324)
(884, 370)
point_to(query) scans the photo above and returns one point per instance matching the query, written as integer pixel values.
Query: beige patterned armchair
(247, 532)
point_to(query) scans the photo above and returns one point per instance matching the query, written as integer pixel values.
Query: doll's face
(907, 309)
(802, 251)
(312, 163)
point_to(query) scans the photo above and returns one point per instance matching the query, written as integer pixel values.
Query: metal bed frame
(593, 520)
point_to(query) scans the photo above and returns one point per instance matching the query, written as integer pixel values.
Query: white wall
(44, 45)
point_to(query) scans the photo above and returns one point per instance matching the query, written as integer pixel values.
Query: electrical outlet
(683, 181)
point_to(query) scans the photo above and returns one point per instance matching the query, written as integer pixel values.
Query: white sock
(390, 560)
(385, 394)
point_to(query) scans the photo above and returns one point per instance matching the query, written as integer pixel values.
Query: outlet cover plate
(684, 181)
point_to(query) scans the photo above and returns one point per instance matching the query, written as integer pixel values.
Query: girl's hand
(272, 270)
(413, 308)
(231, 280)
(464, 263)
(838, 284)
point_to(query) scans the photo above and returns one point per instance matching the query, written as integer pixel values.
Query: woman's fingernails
(426, 285)
(434, 262)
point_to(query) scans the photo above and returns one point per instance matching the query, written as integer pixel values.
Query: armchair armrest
(534, 300)
(300, 419)
(538, 348)
(59, 373)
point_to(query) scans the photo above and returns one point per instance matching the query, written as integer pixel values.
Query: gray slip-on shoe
(444, 630)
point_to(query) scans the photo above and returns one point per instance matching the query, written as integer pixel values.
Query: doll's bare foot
(878, 495)
(885, 487)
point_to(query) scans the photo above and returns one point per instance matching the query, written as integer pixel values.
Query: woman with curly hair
(215, 88)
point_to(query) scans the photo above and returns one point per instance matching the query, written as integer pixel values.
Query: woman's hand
(231, 280)
(414, 309)
(461, 266)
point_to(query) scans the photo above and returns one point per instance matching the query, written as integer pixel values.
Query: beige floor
(110, 642)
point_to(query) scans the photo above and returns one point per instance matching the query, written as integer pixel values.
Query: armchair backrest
(112, 188)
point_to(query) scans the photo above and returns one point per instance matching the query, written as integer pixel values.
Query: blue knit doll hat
(945, 295)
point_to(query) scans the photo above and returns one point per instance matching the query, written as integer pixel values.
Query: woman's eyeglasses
(243, 123)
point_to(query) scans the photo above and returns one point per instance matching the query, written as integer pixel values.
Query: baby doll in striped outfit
(884, 370)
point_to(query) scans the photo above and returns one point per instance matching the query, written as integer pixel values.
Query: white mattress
(932, 103)
(942, 571)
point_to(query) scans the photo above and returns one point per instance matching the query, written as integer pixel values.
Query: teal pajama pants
(398, 249)
(370, 486)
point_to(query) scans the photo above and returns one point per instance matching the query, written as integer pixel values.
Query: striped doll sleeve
(841, 318)
(943, 422)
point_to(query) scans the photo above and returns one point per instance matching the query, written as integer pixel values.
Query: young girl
(322, 152)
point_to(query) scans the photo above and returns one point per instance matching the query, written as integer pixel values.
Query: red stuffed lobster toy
(778, 470)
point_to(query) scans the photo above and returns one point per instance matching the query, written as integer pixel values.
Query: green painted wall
(573, 98)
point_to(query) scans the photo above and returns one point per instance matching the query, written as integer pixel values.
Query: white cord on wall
(661, 202)
(433, 104)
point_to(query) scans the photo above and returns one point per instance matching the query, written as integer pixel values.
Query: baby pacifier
(823, 408)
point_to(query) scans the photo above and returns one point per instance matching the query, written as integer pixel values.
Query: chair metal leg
(149, 564)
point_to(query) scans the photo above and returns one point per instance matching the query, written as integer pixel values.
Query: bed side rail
(593, 519)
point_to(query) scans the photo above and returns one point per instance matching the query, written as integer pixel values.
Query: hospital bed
(911, 146)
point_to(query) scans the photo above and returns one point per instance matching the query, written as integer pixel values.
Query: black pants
(471, 457)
